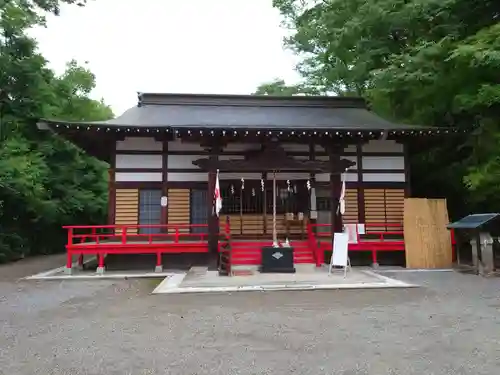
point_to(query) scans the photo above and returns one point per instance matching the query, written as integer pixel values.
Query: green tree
(424, 62)
(278, 87)
(45, 182)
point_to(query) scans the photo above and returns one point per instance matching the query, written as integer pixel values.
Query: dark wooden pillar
(112, 185)
(164, 183)
(360, 184)
(312, 179)
(334, 153)
(264, 200)
(407, 170)
(111, 196)
(213, 219)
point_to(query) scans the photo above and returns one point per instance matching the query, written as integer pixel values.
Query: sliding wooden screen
(351, 206)
(179, 208)
(127, 206)
(384, 206)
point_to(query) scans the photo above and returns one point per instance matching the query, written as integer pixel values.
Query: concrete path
(199, 280)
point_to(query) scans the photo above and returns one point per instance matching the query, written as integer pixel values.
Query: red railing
(225, 250)
(127, 239)
(374, 239)
(98, 235)
(319, 256)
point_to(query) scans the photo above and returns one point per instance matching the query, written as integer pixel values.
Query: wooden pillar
(164, 184)
(360, 184)
(213, 219)
(313, 210)
(406, 150)
(264, 200)
(335, 187)
(111, 186)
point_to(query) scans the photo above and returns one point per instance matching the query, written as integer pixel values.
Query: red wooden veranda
(100, 240)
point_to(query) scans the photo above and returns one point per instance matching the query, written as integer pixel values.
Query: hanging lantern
(253, 192)
(242, 183)
(308, 185)
(232, 189)
(262, 184)
(288, 185)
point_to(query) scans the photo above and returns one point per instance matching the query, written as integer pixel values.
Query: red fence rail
(100, 240)
(374, 240)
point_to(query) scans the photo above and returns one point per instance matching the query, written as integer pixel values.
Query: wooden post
(164, 186)
(213, 220)
(335, 187)
(112, 187)
(360, 186)
(312, 181)
(264, 201)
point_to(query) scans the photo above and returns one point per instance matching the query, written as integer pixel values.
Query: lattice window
(249, 200)
(149, 209)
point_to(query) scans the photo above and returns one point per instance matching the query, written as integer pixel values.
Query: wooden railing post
(70, 236)
(124, 234)
(69, 252)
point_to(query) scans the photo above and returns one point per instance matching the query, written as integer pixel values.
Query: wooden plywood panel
(127, 208)
(179, 208)
(427, 241)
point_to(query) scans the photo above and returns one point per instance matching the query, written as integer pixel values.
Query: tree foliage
(278, 87)
(45, 182)
(432, 62)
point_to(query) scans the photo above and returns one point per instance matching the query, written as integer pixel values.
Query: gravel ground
(449, 326)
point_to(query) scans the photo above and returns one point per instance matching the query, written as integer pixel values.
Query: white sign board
(340, 244)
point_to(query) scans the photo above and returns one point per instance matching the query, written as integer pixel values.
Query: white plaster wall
(383, 177)
(191, 177)
(183, 161)
(383, 162)
(138, 161)
(139, 144)
(138, 176)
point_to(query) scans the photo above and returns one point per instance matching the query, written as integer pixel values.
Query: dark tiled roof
(247, 112)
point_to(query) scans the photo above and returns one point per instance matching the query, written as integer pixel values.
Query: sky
(184, 46)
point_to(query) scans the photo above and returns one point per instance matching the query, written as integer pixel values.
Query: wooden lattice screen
(179, 208)
(384, 206)
(127, 207)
